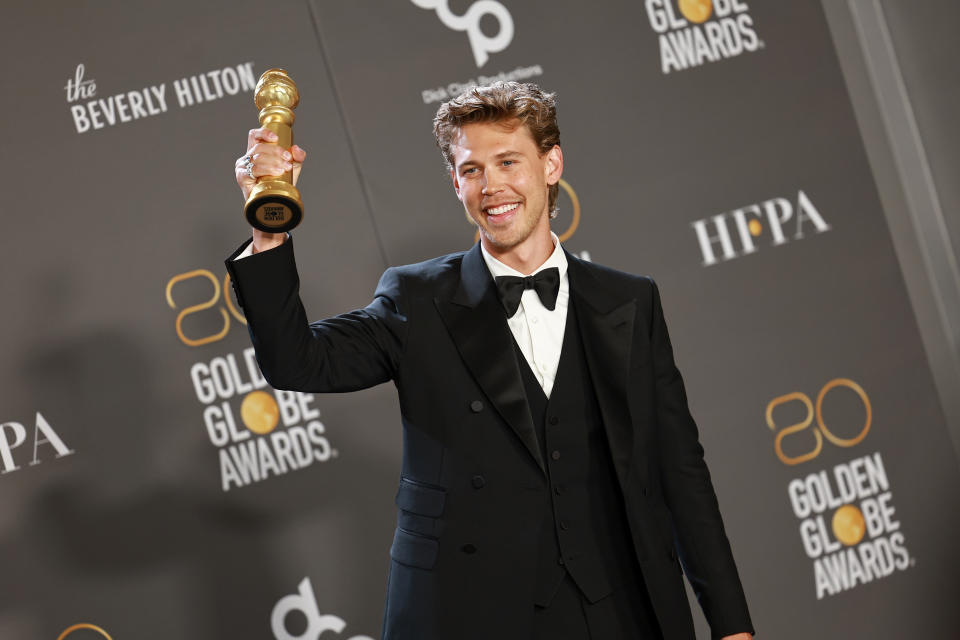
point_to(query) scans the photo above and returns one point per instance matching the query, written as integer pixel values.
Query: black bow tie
(546, 283)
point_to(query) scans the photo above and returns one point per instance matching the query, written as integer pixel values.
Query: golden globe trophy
(274, 203)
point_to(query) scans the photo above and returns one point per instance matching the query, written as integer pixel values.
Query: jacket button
(554, 420)
(560, 561)
(468, 548)
(558, 489)
(478, 482)
(476, 406)
(563, 525)
(555, 455)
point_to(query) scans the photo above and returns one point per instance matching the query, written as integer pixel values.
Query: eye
(507, 163)
(469, 170)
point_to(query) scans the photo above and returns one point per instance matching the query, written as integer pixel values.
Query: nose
(490, 188)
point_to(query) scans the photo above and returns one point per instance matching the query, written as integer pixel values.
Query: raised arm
(351, 351)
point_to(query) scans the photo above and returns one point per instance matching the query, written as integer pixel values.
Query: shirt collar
(557, 259)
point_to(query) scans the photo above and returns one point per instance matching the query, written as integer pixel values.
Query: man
(552, 479)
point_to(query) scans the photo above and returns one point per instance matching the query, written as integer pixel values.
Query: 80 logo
(821, 430)
(226, 309)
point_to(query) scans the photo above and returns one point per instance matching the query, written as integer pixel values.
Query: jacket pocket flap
(414, 550)
(420, 499)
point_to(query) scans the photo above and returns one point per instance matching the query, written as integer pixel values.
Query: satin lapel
(606, 322)
(475, 319)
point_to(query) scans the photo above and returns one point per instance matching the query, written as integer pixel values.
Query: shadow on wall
(106, 528)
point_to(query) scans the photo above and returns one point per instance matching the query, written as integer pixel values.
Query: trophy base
(274, 207)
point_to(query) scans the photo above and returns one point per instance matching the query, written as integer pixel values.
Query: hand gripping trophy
(274, 204)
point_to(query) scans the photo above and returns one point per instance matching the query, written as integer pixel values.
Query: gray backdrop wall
(720, 147)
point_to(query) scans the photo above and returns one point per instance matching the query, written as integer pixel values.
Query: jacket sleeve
(698, 527)
(351, 351)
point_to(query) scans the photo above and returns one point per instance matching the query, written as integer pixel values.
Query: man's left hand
(739, 636)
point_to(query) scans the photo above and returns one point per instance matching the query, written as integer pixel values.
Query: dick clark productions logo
(306, 603)
(481, 44)
(847, 519)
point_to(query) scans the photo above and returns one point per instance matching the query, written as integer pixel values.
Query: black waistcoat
(584, 529)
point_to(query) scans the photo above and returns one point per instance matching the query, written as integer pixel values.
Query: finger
(266, 150)
(260, 168)
(264, 166)
(243, 178)
(260, 135)
(298, 153)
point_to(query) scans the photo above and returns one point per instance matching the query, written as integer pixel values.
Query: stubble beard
(512, 236)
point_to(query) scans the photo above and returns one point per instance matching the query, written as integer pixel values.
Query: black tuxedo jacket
(463, 558)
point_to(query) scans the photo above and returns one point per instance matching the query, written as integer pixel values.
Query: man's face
(502, 181)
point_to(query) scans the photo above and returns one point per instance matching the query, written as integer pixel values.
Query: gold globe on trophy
(274, 204)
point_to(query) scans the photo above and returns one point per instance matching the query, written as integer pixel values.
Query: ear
(553, 168)
(456, 184)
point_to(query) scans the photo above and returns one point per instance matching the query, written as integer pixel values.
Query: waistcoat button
(476, 406)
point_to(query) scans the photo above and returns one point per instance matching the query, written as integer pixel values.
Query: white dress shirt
(537, 330)
(246, 253)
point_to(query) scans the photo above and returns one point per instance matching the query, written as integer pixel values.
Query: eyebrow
(498, 156)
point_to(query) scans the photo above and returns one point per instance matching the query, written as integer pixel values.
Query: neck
(526, 256)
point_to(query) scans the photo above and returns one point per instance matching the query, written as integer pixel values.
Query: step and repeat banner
(709, 144)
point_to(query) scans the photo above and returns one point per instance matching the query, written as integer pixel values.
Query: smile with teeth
(504, 208)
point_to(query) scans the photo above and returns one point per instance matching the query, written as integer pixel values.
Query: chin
(501, 241)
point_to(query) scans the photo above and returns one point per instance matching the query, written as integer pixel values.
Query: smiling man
(552, 481)
(507, 183)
